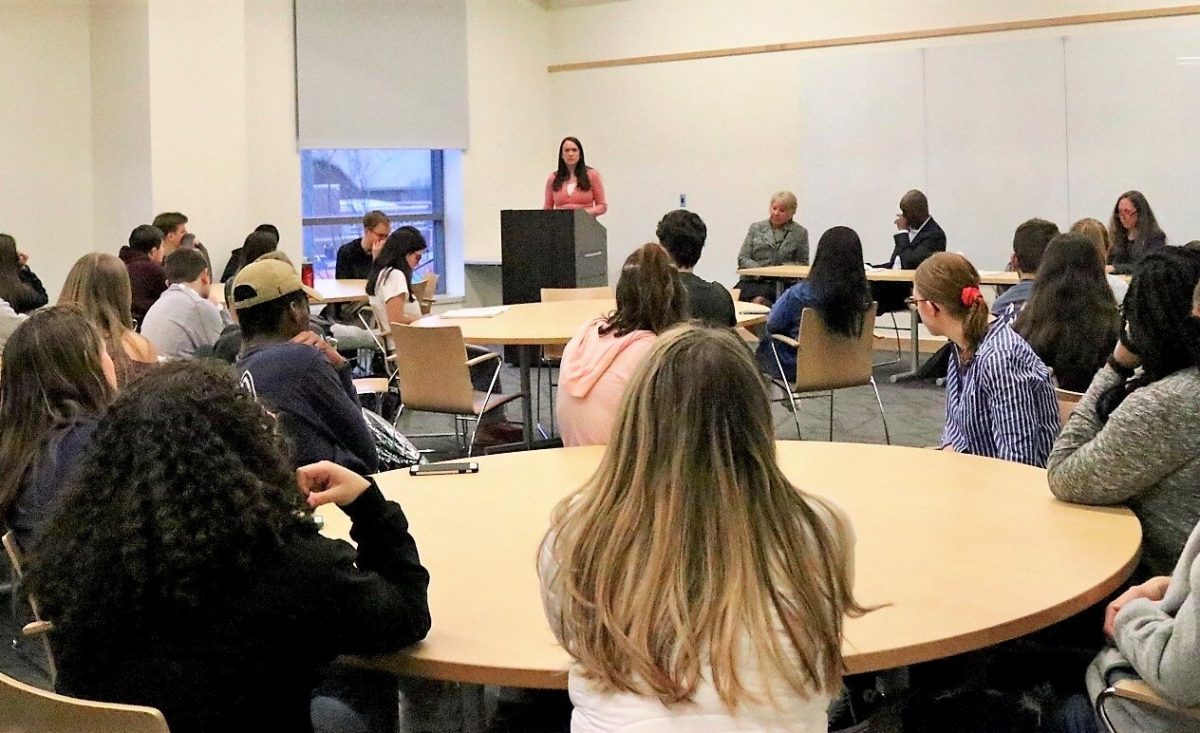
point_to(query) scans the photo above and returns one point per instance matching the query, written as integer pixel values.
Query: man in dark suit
(918, 238)
(919, 235)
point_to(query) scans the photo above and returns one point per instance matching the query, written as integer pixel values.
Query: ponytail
(975, 321)
(951, 281)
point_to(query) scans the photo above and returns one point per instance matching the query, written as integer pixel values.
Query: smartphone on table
(438, 469)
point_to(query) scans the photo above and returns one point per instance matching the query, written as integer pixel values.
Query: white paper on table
(488, 312)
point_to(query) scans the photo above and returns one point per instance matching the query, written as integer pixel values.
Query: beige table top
(341, 291)
(533, 324)
(799, 272)
(968, 551)
(331, 291)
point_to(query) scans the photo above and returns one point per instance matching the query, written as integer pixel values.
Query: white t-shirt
(390, 285)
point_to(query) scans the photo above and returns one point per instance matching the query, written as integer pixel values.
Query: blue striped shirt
(1002, 404)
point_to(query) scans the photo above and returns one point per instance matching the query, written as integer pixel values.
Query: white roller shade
(381, 73)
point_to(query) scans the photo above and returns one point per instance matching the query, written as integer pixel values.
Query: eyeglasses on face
(913, 301)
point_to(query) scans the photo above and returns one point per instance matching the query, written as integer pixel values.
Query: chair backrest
(736, 294)
(424, 291)
(552, 295)
(431, 367)
(1067, 400)
(28, 709)
(828, 360)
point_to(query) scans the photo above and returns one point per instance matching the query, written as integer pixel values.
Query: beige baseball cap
(265, 280)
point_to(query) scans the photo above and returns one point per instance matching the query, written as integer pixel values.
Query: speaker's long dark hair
(561, 174)
(1158, 320)
(839, 281)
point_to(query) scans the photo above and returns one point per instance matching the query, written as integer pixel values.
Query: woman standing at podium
(574, 185)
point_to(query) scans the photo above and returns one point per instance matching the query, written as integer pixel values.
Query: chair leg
(830, 416)
(787, 388)
(483, 408)
(1102, 713)
(887, 437)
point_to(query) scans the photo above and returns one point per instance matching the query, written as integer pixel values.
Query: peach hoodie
(592, 379)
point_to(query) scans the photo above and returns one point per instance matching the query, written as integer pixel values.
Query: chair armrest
(33, 628)
(482, 358)
(1139, 692)
(781, 338)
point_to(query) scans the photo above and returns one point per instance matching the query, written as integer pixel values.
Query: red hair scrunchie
(971, 295)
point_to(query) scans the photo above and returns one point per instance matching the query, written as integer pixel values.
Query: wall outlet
(683, 200)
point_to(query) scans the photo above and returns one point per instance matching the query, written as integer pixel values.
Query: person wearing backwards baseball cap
(295, 373)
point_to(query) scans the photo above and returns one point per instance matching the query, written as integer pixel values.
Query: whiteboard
(999, 130)
(1133, 121)
(862, 143)
(997, 146)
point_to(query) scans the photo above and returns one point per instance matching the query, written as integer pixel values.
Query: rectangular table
(800, 272)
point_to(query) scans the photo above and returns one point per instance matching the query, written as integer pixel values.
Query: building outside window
(339, 186)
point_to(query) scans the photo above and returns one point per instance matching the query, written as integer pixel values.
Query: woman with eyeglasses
(389, 284)
(999, 398)
(1133, 231)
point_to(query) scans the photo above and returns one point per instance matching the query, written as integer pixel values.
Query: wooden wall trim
(962, 30)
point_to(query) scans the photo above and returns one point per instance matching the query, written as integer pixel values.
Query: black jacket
(1125, 255)
(708, 302)
(928, 240)
(249, 660)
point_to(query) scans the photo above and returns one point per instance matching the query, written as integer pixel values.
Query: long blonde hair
(99, 284)
(689, 546)
(1094, 230)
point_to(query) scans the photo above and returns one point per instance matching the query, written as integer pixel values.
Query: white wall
(120, 58)
(731, 131)
(46, 133)
(513, 143)
(272, 160)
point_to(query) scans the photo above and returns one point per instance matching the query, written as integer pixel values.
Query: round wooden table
(968, 552)
(530, 325)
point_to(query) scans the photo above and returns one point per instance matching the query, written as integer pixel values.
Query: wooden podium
(539, 248)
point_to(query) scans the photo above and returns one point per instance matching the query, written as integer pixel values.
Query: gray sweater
(1160, 643)
(1147, 455)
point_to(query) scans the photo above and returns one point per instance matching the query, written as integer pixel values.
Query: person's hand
(327, 482)
(949, 448)
(22, 259)
(901, 223)
(1153, 590)
(1125, 357)
(1110, 269)
(311, 339)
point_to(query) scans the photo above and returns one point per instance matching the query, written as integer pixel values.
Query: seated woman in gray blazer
(778, 240)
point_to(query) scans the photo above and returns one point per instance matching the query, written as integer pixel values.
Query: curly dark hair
(1158, 323)
(682, 233)
(186, 488)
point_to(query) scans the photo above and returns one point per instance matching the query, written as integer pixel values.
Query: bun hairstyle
(952, 282)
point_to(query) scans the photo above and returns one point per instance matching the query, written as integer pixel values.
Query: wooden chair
(1067, 400)
(28, 709)
(552, 354)
(1140, 693)
(750, 337)
(424, 291)
(826, 362)
(38, 627)
(435, 376)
